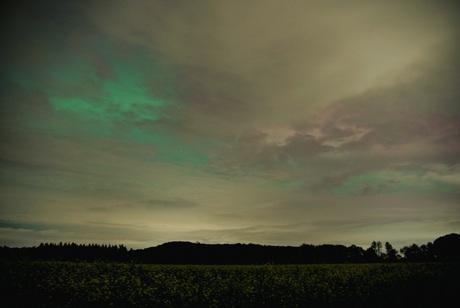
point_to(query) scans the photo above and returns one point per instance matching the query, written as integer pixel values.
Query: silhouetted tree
(447, 247)
(412, 252)
(379, 249)
(391, 254)
(370, 255)
(355, 254)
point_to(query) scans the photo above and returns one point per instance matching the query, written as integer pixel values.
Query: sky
(268, 122)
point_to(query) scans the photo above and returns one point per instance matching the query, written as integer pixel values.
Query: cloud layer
(229, 121)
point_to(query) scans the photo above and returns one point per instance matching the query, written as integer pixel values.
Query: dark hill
(444, 248)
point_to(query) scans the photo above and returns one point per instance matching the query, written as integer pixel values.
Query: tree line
(444, 248)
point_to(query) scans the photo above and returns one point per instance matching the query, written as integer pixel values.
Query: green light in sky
(78, 105)
(390, 181)
(118, 105)
(128, 93)
(168, 148)
(288, 185)
(121, 98)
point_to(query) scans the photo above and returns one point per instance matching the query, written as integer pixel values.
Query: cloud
(301, 56)
(169, 204)
(16, 234)
(201, 120)
(382, 128)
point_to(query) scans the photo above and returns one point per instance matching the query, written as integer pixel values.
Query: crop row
(69, 284)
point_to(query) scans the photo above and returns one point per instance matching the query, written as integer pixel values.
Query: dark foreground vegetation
(99, 284)
(445, 248)
(71, 275)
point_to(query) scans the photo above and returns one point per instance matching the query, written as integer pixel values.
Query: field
(70, 284)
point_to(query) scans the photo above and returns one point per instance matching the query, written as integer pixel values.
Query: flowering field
(70, 284)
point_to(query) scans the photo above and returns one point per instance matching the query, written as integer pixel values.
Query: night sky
(269, 122)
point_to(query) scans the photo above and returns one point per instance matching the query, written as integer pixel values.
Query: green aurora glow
(141, 123)
(120, 99)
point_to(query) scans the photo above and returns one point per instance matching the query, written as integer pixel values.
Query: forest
(444, 248)
(184, 274)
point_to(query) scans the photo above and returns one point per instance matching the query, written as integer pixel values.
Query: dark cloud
(174, 120)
